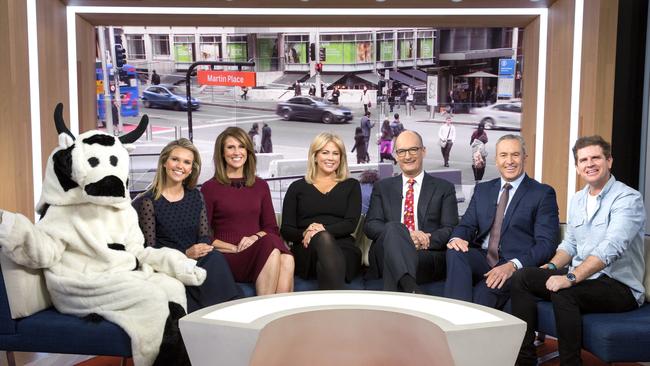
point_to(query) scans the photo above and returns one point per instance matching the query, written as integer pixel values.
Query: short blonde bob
(317, 145)
(220, 162)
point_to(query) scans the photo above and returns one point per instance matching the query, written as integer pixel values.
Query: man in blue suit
(511, 222)
(409, 220)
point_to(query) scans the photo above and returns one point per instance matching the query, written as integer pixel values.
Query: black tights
(330, 267)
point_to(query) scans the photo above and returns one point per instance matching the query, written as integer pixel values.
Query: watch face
(571, 277)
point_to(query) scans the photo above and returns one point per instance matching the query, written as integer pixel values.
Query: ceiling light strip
(34, 99)
(575, 98)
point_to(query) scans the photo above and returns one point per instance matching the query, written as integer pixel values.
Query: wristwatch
(571, 277)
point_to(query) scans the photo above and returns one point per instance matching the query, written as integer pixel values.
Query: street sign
(506, 82)
(507, 66)
(226, 78)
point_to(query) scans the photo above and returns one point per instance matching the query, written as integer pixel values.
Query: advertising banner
(209, 52)
(405, 49)
(265, 53)
(296, 53)
(237, 51)
(386, 51)
(364, 52)
(432, 90)
(183, 53)
(425, 48)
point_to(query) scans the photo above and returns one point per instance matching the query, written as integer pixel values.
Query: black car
(313, 109)
(166, 96)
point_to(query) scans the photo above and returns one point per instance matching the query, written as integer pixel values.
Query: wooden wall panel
(53, 69)
(15, 129)
(86, 54)
(558, 99)
(530, 49)
(598, 69)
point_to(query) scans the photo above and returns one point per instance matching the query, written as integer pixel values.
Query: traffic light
(319, 67)
(322, 54)
(120, 55)
(380, 87)
(312, 51)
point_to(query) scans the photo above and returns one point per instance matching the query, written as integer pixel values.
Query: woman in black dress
(320, 213)
(172, 214)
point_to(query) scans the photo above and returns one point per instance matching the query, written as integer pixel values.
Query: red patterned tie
(409, 219)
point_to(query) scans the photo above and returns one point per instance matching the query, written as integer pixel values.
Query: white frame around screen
(72, 11)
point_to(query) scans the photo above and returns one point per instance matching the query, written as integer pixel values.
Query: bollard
(148, 133)
(178, 132)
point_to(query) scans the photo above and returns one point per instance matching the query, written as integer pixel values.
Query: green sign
(296, 53)
(344, 53)
(264, 53)
(237, 51)
(405, 49)
(183, 53)
(386, 51)
(425, 47)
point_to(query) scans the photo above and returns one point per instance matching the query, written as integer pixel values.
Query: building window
(295, 48)
(160, 45)
(425, 44)
(404, 45)
(385, 46)
(135, 47)
(237, 48)
(210, 48)
(184, 49)
(347, 48)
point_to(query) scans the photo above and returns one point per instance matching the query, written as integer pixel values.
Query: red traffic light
(319, 67)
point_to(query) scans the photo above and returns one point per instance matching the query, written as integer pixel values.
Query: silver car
(502, 114)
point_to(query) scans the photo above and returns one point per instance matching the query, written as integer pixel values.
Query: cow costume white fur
(90, 245)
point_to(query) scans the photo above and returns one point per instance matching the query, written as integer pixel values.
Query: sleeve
(28, 245)
(375, 222)
(208, 199)
(268, 223)
(547, 226)
(205, 233)
(441, 135)
(147, 221)
(627, 218)
(483, 137)
(452, 135)
(348, 223)
(448, 220)
(468, 226)
(289, 229)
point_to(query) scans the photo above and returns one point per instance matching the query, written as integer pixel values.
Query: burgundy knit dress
(235, 211)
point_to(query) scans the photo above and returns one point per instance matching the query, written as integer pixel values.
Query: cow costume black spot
(88, 241)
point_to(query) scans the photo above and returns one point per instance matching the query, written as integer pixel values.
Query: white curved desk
(351, 328)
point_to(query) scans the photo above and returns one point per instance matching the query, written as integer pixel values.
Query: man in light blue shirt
(602, 252)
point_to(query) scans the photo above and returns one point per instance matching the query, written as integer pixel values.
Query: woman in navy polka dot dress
(172, 214)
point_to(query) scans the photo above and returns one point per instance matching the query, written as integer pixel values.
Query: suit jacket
(530, 228)
(437, 208)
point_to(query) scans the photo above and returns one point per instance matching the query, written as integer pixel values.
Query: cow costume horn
(59, 122)
(135, 134)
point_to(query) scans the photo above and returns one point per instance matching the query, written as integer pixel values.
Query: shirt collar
(515, 183)
(605, 189)
(418, 179)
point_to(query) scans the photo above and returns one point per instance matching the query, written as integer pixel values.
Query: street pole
(116, 76)
(319, 88)
(107, 93)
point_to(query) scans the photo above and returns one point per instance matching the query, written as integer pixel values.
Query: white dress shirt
(416, 196)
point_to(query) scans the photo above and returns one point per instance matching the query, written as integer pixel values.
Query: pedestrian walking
(365, 99)
(296, 89)
(446, 136)
(386, 143)
(360, 146)
(402, 97)
(312, 90)
(410, 99)
(244, 93)
(254, 134)
(366, 125)
(396, 126)
(115, 114)
(391, 99)
(335, 95)
(479, 152)
(267, 144)
(155, 78)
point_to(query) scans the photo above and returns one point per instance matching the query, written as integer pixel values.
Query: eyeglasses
(412, 151)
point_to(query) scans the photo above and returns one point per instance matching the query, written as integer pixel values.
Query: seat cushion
(52, 332)
(18, 278)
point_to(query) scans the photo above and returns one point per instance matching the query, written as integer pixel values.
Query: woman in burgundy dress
(241, 214)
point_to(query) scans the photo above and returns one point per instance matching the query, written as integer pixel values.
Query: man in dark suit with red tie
(511, 222)
(409, 220)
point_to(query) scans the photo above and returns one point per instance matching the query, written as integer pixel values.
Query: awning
(415, 73)
(370, 77)
(479, 74)
(326, 78)
(407, 80)
(289, 79)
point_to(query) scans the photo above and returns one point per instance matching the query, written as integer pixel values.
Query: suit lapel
(426, 191)
(395, 198)
(491, 207)
(521, 191)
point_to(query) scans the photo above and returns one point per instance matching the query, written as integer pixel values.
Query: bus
(129, 90)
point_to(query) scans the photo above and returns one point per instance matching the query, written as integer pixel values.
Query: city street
(291, 139)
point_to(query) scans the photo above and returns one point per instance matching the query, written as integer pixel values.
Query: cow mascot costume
(92, 250)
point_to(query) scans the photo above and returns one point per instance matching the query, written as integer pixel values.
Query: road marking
(229, 122)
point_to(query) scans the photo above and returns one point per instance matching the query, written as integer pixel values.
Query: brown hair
(160, 179)
(220, 162)
(594, 140)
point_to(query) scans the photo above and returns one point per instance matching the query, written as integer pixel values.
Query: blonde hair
(220, 162)
(160, 179)
(316, 146)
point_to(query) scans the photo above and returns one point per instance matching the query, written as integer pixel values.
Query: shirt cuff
(517, 263)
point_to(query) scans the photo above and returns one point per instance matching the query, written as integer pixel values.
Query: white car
(502, 114)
